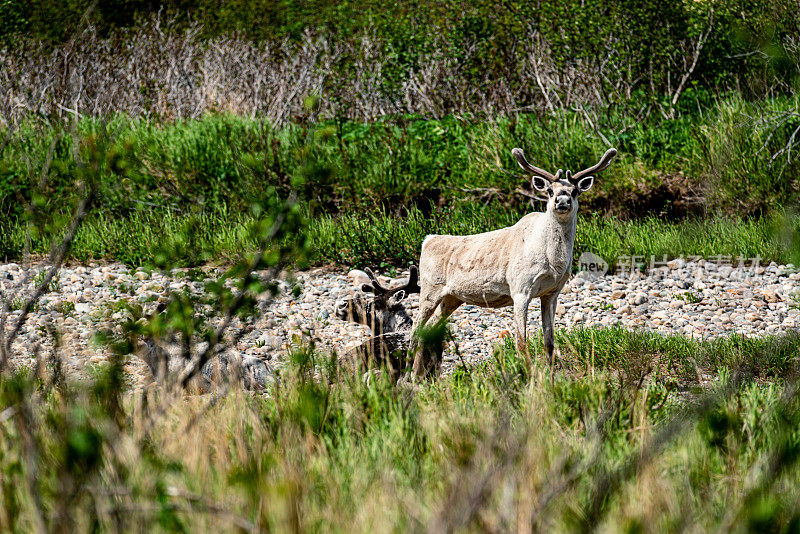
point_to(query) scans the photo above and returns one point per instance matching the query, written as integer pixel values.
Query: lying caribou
(386, 316)
(506, 267)
(171, 360)
(225, 366)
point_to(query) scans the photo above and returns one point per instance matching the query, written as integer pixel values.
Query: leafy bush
(749, 158)
(664, 168)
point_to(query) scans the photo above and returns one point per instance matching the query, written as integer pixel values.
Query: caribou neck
(560, 240)
(566, 225)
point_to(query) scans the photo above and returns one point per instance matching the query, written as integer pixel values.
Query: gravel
(697, 299)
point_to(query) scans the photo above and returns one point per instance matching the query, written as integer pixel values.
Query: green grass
(735, 238)
(371, 192)
(720, 154)
(379, 239)
(489, 445)
(356, 240)
(675, 357)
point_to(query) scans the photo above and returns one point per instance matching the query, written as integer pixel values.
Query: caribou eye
(550, 191)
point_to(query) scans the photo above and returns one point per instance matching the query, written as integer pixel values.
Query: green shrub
(647, 44)
(750, 163)
(664, 168)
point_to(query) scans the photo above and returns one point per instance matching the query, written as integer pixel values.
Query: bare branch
(701, 39)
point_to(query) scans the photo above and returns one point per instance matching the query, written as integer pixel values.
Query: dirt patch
(668, 196)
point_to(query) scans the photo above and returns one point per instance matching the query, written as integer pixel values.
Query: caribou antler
(520, 157)
(411, 286)
(604, 162)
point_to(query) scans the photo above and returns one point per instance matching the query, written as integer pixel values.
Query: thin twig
(56, 259)
(230, 313)
(697, 49)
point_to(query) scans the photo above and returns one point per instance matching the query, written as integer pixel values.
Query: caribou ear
(540, 183)
(584, 184)
(398, 297)
(367, 288)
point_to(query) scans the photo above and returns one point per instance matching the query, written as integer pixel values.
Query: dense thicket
(524, 55)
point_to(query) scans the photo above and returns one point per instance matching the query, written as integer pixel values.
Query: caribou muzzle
(563, 203)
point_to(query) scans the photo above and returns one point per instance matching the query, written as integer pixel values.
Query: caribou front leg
(548, 311)
(521, 303)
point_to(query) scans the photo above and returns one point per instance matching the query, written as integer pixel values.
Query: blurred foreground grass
(625, 437)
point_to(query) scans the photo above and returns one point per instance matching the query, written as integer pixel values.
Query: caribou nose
(340, 308)
(563, 202)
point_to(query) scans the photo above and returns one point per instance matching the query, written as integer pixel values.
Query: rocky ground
(700, 299)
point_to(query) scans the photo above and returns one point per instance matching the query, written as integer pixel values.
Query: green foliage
(748, 157)
(378, 239)
(675, 358)
(13, 18)
(383, 240)
(637, 32)
(59, 20)
(397, 163)
(749, 238)
(373, 191)
(648, 42)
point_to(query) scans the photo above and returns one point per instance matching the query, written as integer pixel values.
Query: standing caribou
(506, 267)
